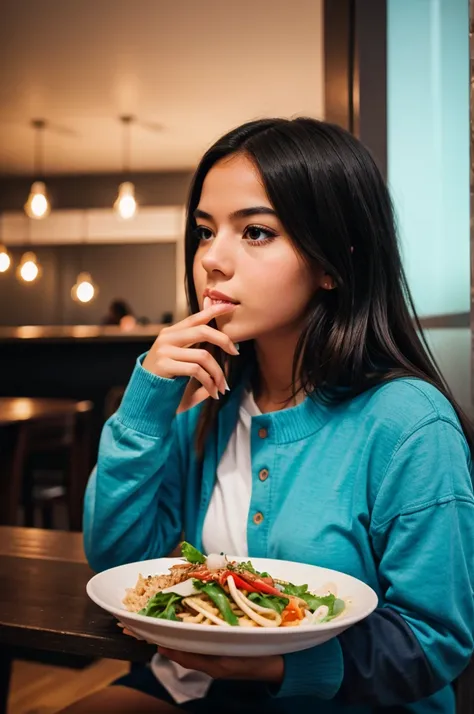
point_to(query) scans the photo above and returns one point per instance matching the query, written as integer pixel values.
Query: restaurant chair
(56, 468)
(46, 468)
(45, 458)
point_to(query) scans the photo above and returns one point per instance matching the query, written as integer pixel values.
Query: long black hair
(334, 205)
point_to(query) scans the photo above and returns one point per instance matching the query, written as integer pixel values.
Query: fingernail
(227, 388)
(237, 346)
(236, 349)
(207, 302)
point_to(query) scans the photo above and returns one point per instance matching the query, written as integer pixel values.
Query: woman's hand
(172, 354)
(261, 669)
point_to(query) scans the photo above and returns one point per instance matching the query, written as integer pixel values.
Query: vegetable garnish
(216, 591)
(191, 554)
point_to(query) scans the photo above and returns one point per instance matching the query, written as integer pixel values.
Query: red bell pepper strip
(258, 586)
(239, 582)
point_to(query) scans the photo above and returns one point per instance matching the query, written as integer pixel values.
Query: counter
(74, 362)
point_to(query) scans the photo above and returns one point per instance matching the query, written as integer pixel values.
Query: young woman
(337, 444)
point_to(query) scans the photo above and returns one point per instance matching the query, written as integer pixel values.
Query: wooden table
(18, 417)
(44, 606)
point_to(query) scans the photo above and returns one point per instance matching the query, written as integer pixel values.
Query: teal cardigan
(378, 487)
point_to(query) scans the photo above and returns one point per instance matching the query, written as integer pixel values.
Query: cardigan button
(264, 474)
(263, 433)
(258, 518)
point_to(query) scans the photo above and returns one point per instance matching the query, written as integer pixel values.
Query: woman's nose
(219, 257)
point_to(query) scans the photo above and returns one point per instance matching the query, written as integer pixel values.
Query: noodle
(234, 594)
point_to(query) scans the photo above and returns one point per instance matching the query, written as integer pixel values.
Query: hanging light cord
(85, 235)
(126, 144)
(39, 125)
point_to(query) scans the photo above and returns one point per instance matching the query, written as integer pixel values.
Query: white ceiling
(197, 67)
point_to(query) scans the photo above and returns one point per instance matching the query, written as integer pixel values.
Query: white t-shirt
(224, 531)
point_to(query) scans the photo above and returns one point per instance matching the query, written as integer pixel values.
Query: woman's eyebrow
(241, 213)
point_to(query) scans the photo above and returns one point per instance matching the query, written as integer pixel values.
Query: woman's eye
(257, 234)
(203, 233)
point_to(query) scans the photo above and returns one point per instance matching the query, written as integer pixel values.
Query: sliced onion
(320, 613)
(251, 609)
(314, 618)
(215, 561)
(195, 605)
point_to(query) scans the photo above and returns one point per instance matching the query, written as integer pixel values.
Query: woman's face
(244, 253)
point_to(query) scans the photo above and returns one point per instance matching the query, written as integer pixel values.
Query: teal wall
(428, 147)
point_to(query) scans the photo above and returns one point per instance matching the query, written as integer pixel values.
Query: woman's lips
(207, 302)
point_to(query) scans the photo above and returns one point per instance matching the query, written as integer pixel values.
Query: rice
(136, 598)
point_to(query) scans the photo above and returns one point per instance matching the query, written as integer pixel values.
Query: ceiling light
(84, 290)
(29, 269)
(5, 259)
(125, 204)
(38, 205)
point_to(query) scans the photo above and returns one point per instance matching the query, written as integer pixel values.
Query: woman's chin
(236, 334)
(236, 330)
(230, 331)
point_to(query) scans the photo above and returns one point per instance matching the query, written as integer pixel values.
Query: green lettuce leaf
(297, 590)
(315, 601)
(162, 606)
(192, 554)
(249, 567)
(339, 606)
(271, 601)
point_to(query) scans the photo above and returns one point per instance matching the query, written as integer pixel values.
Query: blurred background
(110, 94)
(106, 108)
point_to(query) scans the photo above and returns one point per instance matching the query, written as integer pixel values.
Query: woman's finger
(201, 357)
(174, 368)
(202, 333)
(203, 317)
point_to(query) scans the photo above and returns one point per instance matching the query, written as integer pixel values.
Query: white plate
(107, 589)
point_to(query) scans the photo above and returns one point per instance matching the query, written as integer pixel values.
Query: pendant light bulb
(125, 204)
(5, 259)
(84, 290)
(37, 205)
(29, 269)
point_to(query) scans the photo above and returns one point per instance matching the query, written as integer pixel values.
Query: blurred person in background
(121, 314)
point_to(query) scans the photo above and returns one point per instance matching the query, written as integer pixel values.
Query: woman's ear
(327, 282)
